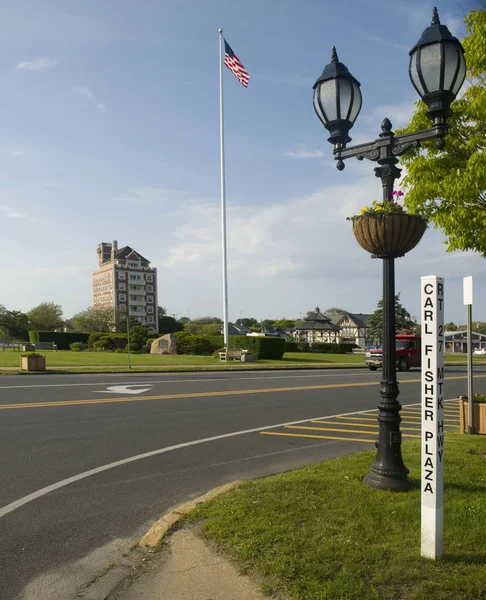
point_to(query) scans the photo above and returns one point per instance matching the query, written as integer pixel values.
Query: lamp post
(437, 70)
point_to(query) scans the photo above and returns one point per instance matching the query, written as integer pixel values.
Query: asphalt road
(57, 427)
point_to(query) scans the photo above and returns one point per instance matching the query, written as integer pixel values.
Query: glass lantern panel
(357, 101)
(317, 107)
(328, 99)
(451, 52)
(461, 75)
(414, 74)
(430, 60)
(344, 97)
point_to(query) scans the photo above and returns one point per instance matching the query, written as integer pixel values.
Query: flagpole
(223, 194)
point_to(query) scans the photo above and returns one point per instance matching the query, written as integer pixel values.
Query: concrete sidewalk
(188, 569)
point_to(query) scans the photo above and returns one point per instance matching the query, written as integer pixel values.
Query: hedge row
(111, 341)
(319, 347)
(261, 347)
(61, 339)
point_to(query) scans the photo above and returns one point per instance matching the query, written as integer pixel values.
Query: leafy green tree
(268, 322)
(247, 322)
(99, 318)
(169, 325)
(450, 326)
(207, 320)
(138, 337)
(404, 321)
(448, 187)
(284, 323)
(47, 316)
(336, 311)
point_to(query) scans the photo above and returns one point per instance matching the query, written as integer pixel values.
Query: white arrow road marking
(123, 389)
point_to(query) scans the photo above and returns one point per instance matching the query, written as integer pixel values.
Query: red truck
(408, 353)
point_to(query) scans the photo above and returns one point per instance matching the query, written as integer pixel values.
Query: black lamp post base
(392, 484)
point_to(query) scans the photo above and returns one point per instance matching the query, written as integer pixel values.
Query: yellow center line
(319, 437)
(342, 430)
(360, 425)
(207, 394)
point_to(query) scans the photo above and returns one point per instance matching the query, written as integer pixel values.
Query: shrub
(216, 352)
(119, 350)
(193, 344)
(31, 355)
(291, 347)
(216, 341)
(145, 349)
(261, 347)
(138, 335)
(78, 346)
(302, 347)
(102, 345)
(94, 337)
(149, 341)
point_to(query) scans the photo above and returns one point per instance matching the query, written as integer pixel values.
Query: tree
(450, 326)
(336, 311)
(14, 324)
(268, 322)
(169, 325)
(247, 322)
(99, 318)
(448, 187)
(284, 323)
(404, 321)
(138, 337)
(207, 320)
(47, 316)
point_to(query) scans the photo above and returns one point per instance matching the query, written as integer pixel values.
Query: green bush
(261, 347)
(291, 347)
(216, 352)
(102, 345)
(145, 349)
(193, 344)
(302, 347)
(325, 348)
(138, 335)
(150, 340)
(61, 339)
(94, 337)
(78, 346)
(216, 341)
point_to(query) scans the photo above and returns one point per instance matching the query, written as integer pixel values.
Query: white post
(432, 483)
(468, 300)
(223, 193)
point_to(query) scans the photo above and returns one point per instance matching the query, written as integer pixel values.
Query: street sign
(468, 290)
(432, 484)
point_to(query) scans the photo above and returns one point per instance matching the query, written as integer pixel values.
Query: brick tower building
(126, 281)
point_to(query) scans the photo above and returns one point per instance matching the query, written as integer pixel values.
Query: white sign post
(468, 300)
(432, 307)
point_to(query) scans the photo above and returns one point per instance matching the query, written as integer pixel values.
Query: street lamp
(437, 70)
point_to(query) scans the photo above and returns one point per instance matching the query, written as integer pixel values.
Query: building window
(121, 275)
(150, 309)
(149, 277)
(150, 299)
(135, 277)
(122, 286)
(133, 264)
(122, 297)
(150, 319)
(150, 288)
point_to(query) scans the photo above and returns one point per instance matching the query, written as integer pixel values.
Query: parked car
(480, 351)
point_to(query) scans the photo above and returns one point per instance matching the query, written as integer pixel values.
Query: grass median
(319, 533)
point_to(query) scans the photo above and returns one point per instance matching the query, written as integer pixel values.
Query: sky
(109, 120)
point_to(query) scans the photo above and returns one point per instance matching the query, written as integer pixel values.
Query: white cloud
(399, 114)
(39, 64)
(288, 257)
(303, 152)
(19, 152)
(88, 96)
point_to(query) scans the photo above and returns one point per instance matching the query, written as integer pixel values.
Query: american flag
(234, 65)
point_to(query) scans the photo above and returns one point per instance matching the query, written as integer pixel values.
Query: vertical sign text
(432, 307)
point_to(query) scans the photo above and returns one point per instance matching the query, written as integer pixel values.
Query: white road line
(63, 483)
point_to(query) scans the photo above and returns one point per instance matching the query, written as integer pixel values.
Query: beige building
(126, 281)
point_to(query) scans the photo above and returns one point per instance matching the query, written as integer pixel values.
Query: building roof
(317, 321)
(360, 319)
(125, 252)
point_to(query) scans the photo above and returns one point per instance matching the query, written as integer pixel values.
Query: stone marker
(166, 344)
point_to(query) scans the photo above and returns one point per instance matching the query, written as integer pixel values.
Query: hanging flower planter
(385, 229)
(392, 234)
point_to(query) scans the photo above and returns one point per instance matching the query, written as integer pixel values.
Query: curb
(158, 530)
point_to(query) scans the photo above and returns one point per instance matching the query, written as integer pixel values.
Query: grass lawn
(65, 358)
(319, 533)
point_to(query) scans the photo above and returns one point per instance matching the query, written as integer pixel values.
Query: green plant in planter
(31, 355)
(478, 399)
